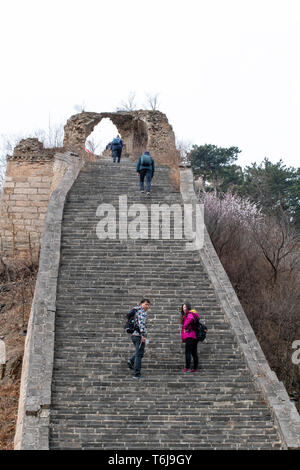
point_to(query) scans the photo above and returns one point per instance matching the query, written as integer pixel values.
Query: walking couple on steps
(145, 166)
(139, 336)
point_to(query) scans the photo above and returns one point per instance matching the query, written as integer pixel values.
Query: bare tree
(7, 145)
(184, 147)
(92, 146)
(152, 101)
(80, 108)
(2, 169)
(52, 137)
(129, 104)
(277, 239)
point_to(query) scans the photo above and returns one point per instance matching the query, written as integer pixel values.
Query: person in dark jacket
(139, 337)
(116, 146)
(188, 336)
(145, 168)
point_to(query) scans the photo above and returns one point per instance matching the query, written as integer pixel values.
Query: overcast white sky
(228, 71)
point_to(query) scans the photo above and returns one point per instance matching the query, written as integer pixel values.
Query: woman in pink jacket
(188, 337)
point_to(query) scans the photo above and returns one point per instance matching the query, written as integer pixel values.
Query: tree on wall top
(216, 165)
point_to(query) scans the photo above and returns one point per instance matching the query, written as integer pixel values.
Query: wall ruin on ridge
(33, 172)
(140, 131)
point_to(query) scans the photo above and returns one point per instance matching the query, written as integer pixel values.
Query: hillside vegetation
(253, 218)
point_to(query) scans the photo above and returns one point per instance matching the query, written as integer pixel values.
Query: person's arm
(153, 168)
(142, 324)
(138, 165)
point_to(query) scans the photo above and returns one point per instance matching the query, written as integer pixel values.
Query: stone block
(38, 197)
(18, 197)
(25, 191)
(25, 210)
(23, 184)
(40, 185)
(22, 203)
(34, 179)
(42, 204)
(44, 191)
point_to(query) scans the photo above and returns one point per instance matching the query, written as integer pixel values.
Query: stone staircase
(95, 402)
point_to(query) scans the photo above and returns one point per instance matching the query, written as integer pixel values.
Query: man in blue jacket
(116, 147)
(145, 167)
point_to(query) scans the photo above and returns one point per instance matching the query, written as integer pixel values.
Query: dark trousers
(116, 154)
(148, 174)
(191, 350)
(136, 359)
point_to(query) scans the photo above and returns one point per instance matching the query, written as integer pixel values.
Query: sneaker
(130, 364)
(137, 376)
(185, 370)
(142, 191)
(148, 193)
(194, 370)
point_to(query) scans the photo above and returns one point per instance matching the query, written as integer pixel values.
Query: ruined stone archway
(103, 133)
(140, 130)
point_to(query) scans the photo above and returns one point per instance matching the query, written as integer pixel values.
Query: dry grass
(9, 396)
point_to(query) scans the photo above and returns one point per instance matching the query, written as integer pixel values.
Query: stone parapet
(35, 392)
(30, 150)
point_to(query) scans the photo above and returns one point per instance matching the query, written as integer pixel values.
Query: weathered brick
(23, 184)
(44, 191)
(38, 197)
(22, 203)
(25, 191)
(40, 185)
(18, 197)
(34, 179)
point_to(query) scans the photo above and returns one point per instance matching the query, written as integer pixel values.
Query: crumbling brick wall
(28, 185)
(25, 196)
(140, 131)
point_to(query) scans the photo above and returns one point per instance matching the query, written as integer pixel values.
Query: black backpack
(199, 328)
(131, 324)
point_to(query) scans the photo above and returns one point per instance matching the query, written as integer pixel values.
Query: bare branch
(129, 104)
(152, 101)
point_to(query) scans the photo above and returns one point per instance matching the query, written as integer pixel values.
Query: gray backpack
(146, 160)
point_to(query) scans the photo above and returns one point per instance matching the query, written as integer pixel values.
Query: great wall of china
(76, 390)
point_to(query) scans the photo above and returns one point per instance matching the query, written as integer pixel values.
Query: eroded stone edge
(32, 429)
